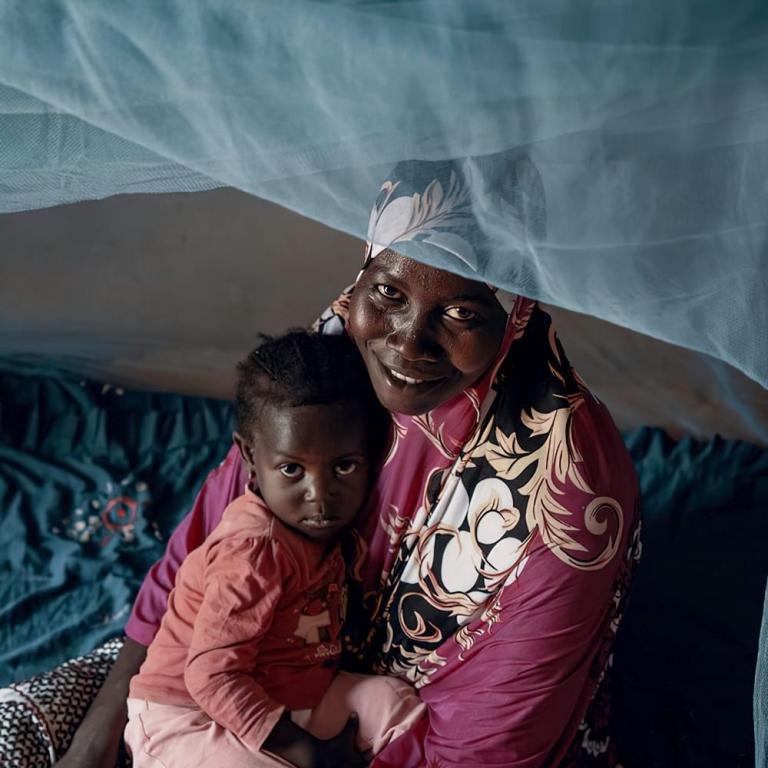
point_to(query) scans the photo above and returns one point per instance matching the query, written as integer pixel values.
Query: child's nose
(319, 489)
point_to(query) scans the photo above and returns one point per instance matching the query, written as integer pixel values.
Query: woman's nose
(413, 338)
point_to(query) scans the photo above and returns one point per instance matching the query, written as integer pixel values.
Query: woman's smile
(400, 377)
(425, 335)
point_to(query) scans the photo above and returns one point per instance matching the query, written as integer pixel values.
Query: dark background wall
(169, 291)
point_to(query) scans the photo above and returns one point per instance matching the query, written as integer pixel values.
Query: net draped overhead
(645, 125)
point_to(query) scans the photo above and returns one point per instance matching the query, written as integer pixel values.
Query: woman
(503, 525)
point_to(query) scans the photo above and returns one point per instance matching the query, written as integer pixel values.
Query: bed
(93, 478)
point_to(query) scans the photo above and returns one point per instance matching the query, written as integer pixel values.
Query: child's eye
(461, 313)
(388, 291)
(345, 467)
(290, 470)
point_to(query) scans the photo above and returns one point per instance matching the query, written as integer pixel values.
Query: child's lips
(320, 522)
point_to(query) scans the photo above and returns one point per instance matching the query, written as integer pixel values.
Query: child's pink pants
(167, 736)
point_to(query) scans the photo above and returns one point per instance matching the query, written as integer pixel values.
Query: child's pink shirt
(253, 625)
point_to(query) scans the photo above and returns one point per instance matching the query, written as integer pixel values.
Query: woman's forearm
(97, 740)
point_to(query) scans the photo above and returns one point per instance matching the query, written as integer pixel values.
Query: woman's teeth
(406, 379)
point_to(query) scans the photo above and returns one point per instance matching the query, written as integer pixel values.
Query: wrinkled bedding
(92, 481)
(686, 652)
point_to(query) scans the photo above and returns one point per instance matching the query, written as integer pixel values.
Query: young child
(242, 671)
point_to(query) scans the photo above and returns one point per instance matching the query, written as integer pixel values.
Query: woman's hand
(300, 748)
(97, 740)
(341, 749)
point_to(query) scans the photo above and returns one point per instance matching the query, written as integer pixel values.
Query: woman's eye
(346, 467)
(387, 291)
(290, 470)
(461, 313)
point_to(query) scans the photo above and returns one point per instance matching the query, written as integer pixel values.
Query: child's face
(312, 467)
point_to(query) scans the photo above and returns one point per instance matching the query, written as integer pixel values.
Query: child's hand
(341, 749)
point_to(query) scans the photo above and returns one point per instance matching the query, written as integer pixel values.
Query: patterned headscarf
(460, 211)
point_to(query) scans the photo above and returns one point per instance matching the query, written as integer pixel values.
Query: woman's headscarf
(514, 493)
(468, 209)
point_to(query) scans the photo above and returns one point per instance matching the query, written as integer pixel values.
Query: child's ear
(246, 451)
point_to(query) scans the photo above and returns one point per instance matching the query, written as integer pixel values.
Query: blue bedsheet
(93, 479)
(686, 651)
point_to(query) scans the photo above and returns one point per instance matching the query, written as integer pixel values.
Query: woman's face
(425, 334)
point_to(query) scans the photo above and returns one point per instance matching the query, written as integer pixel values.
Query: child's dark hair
(303, 368)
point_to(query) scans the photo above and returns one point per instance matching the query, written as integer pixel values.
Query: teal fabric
(647, 122)
(686, 651)
(92, 481)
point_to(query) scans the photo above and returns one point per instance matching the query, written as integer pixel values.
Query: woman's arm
(293, 744)
(97, 740)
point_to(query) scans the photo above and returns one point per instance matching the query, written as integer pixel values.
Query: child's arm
(244, 580)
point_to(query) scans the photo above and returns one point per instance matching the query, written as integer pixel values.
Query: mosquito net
(646, 124)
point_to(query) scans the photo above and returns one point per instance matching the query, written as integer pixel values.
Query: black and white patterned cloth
(39, 716)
